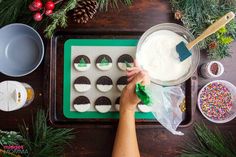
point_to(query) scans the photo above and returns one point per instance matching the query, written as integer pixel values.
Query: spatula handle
(212, 29)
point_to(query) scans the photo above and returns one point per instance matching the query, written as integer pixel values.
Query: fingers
(136, 64)
(137, 79)
(146, 79)
(133, 72)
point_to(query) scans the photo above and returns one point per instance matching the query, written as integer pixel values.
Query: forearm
(126, 144)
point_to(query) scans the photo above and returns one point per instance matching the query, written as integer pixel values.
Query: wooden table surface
(98, 142)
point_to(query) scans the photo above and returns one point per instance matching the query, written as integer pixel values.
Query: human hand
(129, 99)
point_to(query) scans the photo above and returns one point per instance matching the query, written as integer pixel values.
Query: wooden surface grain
(97, 142)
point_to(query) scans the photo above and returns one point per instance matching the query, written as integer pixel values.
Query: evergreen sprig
(43, 140)
(10, 138)
(104, 5)
(209, 143)
(197, 15)
(10, 10)
(59, 18)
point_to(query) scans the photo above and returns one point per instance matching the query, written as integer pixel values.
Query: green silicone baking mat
(93, 48)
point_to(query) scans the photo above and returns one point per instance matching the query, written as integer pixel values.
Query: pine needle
(209, 143)
(59, 18)
(43, 140)
(10, 10)
(104, 5)
(197, 15)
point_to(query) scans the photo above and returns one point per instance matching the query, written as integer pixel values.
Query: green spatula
(184, 50)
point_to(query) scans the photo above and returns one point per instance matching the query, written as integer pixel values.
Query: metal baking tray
(55, 62)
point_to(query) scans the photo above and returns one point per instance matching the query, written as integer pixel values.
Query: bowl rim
(41, 43)
(199, 107)
(150, 31)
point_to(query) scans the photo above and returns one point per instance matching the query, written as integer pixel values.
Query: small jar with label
(212, 69)
(15, 95)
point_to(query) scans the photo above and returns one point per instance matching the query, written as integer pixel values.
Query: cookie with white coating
(144, 108)
(104, 84)
(125, 61)
(104, 62)
(103, 104)
(117, 104)
(82, 63)
(82, 84)
(81, 104)
(121, 83)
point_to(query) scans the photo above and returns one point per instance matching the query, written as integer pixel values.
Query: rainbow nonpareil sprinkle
(216, 101)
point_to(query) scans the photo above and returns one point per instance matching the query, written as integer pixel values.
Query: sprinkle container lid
(13, 96)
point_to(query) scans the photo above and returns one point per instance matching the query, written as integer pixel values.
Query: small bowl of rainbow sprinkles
(217, 101)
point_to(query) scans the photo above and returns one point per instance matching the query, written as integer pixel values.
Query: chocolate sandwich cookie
(81, 104)
(103, 104)
(82, 84)
(104, 62)
(104, 84)
(122, 82)
(117, 104)
(125, 61)
(82, 63)
(144, 108)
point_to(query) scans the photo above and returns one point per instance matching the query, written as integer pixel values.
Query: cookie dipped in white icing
(103, 104)
(144, 108)
(104, 62)
(81, 104)
(117, 104)
(121, 83)
(82, 84)
(104, 84)
(159, 57)
(82, 63)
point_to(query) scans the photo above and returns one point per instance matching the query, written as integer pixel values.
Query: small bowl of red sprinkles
(217, 101)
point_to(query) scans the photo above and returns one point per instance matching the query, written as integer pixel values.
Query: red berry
(48, 12)
(38, 16)
(50, 5)
(37, 4)
(32, 8)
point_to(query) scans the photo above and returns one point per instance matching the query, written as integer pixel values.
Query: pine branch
(209, 143)
(104, 5)
(45, 141)
(10, 10)
(59, 18)
(199, 14)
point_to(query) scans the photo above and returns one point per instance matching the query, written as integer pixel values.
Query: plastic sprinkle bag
(165, 103)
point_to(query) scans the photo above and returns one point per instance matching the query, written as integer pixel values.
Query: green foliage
(10, 138)
(43, 140)
(197, 15)
(104, 5)
(209, 143)
(59, 18)
(10, 10)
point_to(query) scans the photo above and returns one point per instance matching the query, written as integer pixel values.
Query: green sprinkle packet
(143, 94)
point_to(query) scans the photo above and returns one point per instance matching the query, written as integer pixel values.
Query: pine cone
(213, 45)
(178, 15)
(85, 10)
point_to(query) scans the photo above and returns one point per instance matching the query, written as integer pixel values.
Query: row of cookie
(103, 105)
(103, 62)
(103, 84)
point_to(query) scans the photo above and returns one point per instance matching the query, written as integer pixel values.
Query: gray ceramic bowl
(21, 50)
